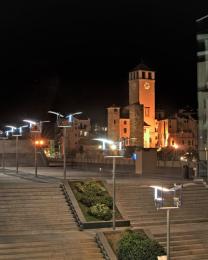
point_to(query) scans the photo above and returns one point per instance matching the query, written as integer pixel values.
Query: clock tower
(142, 91)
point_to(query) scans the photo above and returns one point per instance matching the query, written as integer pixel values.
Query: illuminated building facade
(179, 130)
(138, 128)
(144, 127)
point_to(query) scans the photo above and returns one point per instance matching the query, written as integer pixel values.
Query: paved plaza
(37, 223)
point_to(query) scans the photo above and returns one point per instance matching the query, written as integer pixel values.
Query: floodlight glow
(12, 127)
(107, 141)
(113, 147)
(161, 188)
(55, 113)
(70, 116)
(20, 128)
(7, 132)
(30, 121)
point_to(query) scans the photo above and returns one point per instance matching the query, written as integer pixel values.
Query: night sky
(75, 55)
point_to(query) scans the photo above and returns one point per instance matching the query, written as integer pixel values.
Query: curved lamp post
(3, 137)
(113, 147)
(16, 131)
(162, 203)
(64, 124)
(36, 127)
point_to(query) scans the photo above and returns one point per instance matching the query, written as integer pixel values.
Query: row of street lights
(36, 128)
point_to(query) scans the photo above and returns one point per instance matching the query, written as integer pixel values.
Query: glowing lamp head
(39, 142)
(113, 147)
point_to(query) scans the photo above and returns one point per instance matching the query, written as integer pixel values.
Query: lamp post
(63, 123)
(36, 128)
(206, 157)
(114, 148)
(16, 131)
(3, 137)
(159, 199)
(38, 143)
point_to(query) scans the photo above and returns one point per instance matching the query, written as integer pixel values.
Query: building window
(114, 121)
(147, 111)
(115, 110)
(172, 142)
(150, 75)
(125, 130)
(204, 118)
(125, 122)
(143, 74)
(204, 134)
(182, 141)
(189, 142)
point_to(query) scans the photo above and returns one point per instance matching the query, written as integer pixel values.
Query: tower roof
(141, 66)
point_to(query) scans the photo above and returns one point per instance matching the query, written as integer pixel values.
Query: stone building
(202, 78)
(179, 131)
(79, 130)
(138, 127)
(143, 126)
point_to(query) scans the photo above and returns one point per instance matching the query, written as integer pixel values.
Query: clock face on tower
(146, 85)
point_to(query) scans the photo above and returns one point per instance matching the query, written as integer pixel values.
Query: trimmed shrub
(88, 199)
(107, 200)
(94, 188)
(79, 187)
(136, 246)
(100, 211)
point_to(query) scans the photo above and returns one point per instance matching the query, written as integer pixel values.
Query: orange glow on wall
(124, 128)
(146, 137)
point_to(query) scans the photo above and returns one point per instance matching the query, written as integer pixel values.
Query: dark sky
(70, 55)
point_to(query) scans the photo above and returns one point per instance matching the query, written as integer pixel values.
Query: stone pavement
(32, 226)
(36, 221)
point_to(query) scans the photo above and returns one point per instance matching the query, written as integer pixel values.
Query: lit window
(147, 111)
(85, 133)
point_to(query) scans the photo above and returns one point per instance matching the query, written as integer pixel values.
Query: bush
(137, 246)
(94, 188)
(88, 199)
(79, 187)
(100, 211)
(107, 200)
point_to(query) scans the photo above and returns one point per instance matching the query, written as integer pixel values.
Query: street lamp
(61, 122)
(3, 137)
(206, 157)
(36, 128)
(16, 131)
(114, 148)
(161, 195)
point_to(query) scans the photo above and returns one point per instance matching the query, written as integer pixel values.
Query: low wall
(175, 164)
(26, 153)
(9, 146)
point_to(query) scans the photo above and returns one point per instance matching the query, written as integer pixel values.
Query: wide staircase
(36, 223)
(189, 224)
